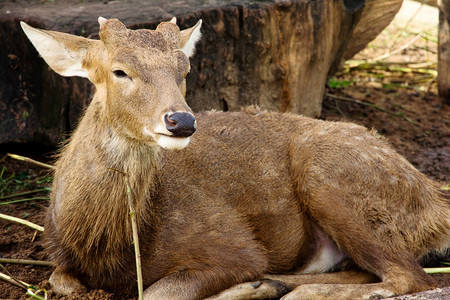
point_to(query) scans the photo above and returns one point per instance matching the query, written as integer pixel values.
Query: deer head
(139, 76)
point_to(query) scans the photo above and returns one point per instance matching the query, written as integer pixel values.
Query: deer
(248, 204)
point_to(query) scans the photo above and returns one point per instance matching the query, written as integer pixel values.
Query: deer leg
(336, 285)
(259, 289)
(275, 286)
(398, 270)
(403, 284)
(65, 283)
(338, 292)
(191, 284)
(343, 277)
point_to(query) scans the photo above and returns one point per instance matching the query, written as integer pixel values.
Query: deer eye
(120, 74)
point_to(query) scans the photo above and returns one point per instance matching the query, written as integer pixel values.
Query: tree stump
(276, 54)
(444, 50)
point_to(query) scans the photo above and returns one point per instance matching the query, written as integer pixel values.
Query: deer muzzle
(180, 124)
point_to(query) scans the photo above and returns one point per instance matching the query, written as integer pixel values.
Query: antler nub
(101, 21)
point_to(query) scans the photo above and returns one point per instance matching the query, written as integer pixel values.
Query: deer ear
(101, 21)
(63, 52)
(189, 37)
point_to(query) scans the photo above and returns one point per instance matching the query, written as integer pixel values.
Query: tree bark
(444, 50)
(276, 54)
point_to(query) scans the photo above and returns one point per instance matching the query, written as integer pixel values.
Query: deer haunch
(254, 193)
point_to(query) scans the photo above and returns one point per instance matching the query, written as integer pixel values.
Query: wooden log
(276, 54)
(444, 50)
(436, 294)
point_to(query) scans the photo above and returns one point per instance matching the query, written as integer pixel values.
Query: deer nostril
(180, 124)
(169, 121)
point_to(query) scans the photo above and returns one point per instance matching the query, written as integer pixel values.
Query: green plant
(335, 82)
(12, 183)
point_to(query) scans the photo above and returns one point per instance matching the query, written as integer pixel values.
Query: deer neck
(90, 200)
(103, 146)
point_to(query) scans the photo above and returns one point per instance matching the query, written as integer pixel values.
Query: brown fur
(254, 193)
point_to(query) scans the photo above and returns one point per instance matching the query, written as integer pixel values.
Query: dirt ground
(402, 105)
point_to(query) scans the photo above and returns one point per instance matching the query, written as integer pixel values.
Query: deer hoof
(64, 283)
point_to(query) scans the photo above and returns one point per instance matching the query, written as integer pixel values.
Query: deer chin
(173, 143)
(167, 141)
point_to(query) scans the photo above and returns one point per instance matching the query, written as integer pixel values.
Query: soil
(412, 117)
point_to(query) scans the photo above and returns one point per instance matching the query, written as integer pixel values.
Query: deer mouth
(167, 140)
(173, 143)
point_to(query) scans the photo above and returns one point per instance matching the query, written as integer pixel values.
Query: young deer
(255, 194)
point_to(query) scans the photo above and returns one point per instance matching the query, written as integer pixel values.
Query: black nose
(180, 124)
